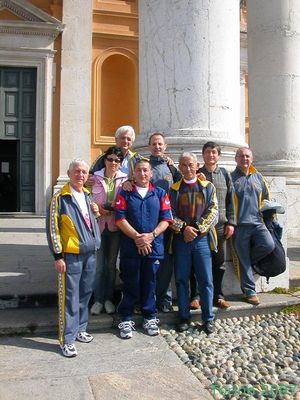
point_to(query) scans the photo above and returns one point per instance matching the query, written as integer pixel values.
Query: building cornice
(29, 28)
(34, 21)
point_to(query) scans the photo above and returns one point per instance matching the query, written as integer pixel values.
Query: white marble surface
(274, 84)
(189, 86)
(75, 111)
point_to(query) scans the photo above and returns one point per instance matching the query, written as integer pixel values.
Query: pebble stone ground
(250, 357)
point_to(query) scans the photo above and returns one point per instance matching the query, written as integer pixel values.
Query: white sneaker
(109, 307)
(68, 350)
(126, 328)
(84, 337)
(150, 325)
(96, 308)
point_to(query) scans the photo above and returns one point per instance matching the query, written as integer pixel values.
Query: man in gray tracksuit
(73, 238)
(252, 241)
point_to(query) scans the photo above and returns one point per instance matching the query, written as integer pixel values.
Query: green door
(17, 139)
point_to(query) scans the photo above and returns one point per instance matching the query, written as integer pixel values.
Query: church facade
(72, 71)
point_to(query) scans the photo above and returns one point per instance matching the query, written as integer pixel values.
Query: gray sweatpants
(251, 243)
(75, 290)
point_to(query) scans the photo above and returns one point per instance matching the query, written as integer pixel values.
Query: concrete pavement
(106, 369)
(31, 366)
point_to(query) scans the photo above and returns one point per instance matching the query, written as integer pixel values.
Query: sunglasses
(116, 160)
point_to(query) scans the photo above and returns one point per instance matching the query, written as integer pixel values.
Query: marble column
(243, 103)
(274, 93)
(75, 103)
(189, 74)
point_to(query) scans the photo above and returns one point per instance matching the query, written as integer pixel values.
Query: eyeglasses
(116, 160)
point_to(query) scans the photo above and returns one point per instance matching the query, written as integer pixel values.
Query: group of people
(159, 219)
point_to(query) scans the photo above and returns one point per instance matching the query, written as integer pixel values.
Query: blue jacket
(143, 214)
(249, 192)
(67, 230)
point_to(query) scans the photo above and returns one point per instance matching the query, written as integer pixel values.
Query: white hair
(187, 154)
(77, 161)
(124, 129)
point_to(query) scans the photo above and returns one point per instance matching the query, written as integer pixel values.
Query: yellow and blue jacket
(195, 205)
(67, 230)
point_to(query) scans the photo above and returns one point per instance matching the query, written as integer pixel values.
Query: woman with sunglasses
(108, 183)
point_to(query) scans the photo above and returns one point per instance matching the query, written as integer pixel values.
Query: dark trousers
(139, 285)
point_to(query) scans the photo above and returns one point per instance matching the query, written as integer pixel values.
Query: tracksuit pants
(251, 243)
(75, 290)
(139, 285)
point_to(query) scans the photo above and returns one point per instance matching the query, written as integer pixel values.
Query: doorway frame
(28, 42)
(43, 135)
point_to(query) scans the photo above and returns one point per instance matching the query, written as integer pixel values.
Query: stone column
(274, 84)
(189, 73)
(274, 93)
(243, 103)
(75, 103)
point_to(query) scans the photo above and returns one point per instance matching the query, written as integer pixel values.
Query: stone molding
(36, 22)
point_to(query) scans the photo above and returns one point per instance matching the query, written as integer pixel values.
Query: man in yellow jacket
(73, 237)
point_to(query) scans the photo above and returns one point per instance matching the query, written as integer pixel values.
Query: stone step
(26, 265)
(40, 320)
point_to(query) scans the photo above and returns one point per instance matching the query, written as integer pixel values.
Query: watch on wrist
(154, 234)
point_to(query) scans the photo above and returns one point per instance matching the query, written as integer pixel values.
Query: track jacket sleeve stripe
(54, 232)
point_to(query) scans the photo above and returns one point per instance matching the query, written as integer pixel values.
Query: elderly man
(221, 179)
(73, 237)
(125, 137)
(142, 215)
(252, 241)
(195, 210)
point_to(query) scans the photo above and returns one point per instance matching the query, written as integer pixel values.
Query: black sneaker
(183, 326)
(166, 308)
(209, 327)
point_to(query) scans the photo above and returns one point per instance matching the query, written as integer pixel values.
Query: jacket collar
(150, 188)
(66, 190)
(204, 169)
(252, 170)
(118, 175)
(177, 185)
(158, 159)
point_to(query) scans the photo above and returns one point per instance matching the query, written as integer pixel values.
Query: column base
(192, 140)
(289, 169)
(61, 181)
